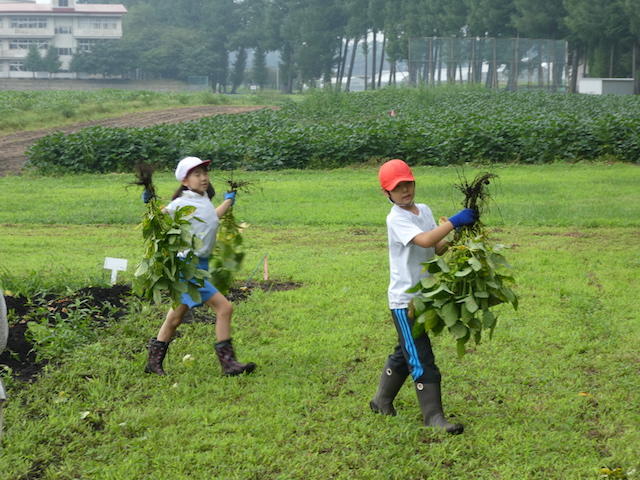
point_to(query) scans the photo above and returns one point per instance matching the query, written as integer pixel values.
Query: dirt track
(13, 146)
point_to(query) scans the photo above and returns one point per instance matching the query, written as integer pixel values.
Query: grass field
(29, 110)
(553, 395)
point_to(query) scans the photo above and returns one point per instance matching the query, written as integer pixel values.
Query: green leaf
(428, 282)
(471, 304)
(417, 329)
(474, 324)
(443, 265)
(463, 273)
(475, 264)
(429, 318)
(488, 319)
(459, 330)
(449, 313)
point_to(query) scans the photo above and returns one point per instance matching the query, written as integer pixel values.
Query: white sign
(115, 265)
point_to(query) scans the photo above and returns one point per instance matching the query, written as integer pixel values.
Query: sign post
(115, 265)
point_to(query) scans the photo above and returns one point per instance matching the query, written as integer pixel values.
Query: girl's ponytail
(178, 193)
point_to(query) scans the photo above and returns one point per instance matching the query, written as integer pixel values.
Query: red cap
(393, 172)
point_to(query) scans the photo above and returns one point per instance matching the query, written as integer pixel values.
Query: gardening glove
(466, 216)
(147, 196)
(230, 196)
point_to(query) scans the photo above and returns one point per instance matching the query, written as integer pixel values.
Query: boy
(413, 239)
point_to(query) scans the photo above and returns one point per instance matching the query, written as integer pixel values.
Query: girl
(196, 190)
(413, 239)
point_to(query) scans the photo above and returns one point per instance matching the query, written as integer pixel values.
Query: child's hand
(466, 216)
(230, 196)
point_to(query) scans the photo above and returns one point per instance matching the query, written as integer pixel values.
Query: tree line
(319, 39)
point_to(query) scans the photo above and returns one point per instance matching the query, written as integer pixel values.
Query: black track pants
(413, 355)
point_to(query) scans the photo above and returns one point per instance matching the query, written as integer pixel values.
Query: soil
(107, 305)
(14, 146)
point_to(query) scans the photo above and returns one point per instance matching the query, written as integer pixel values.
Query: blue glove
(147, 196)
(231, 196)
(466, 216)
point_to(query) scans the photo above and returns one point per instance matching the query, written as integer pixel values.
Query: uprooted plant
(471, 277)
(161, 268)
(228, 255)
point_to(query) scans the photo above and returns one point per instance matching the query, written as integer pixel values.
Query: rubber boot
(430, 401)
(228, 362)
(157, 352)
(390, 383)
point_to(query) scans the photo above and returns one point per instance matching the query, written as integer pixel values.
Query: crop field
(445, 126)
(553, 395)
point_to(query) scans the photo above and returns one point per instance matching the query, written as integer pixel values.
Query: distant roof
(85, 8)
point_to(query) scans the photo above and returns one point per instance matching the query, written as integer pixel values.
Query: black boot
(228, 362)
(157, 352)
(431, 406)
(390, 383)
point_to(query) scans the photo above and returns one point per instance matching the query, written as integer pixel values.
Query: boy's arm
(433, 238)
(441, 247)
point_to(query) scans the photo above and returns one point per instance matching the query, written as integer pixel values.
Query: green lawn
(552, 396)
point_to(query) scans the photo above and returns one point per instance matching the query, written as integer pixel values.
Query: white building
(66, 25)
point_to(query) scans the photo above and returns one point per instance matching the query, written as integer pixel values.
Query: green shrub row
(432, 127)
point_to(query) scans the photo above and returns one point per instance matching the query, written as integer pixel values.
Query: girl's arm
(223, 207)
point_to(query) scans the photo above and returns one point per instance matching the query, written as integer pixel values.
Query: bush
(329, 129)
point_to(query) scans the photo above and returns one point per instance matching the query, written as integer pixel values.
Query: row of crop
(329, 130)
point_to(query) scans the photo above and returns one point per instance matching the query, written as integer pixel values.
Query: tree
(632, 10)
(239, 66)
(52, 61)
(33, 61)
(603, 29)
(259, 73)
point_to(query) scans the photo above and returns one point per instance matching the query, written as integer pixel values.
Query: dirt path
(13, 146)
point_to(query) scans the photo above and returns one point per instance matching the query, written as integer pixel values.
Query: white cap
(187, 164)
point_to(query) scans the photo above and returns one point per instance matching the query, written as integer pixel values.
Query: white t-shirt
(406, 258)
(205, 230)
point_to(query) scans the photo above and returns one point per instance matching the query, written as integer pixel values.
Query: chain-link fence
(511, 63)
(198, 82)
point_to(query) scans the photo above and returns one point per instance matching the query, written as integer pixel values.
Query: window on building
(65, 51)
(99, 23)
(63, 30)
(63, 3)
(27, 43)
(16, 66)
(28, 22)
(85, 45)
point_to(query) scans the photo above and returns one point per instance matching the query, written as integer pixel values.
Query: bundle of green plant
(165, 236)
(470, 278)
(228, 255)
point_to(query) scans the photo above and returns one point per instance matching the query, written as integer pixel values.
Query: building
(66, 25)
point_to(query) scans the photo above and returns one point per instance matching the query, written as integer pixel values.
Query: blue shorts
(206, 292)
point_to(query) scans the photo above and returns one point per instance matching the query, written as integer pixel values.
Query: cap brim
(205, 163)
(396, 181)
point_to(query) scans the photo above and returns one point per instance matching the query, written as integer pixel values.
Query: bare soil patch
(14, 146)
(107, 304)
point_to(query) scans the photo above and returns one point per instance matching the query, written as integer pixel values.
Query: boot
(430, 402)
(157, 351)
(228, 362)
(390, 383)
